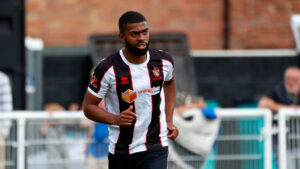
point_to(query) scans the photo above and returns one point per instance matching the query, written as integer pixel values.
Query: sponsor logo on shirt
(129, 95)
(124, 80)
(94, 82)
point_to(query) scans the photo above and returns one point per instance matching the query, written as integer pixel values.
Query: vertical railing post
(268, 140)
(282, 140)
(21, 143)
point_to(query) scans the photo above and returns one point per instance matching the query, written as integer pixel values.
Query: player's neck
(134, 59)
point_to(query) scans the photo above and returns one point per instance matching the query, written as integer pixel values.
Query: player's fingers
(127, 116)
(127, 120)
(171, 135)
(130, 108)
(125, 124)
(129, 113)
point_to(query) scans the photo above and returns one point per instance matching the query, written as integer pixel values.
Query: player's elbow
(86, 109)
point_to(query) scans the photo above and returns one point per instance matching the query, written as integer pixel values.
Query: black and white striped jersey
(123, 84)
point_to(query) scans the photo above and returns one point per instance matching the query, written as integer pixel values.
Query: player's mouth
(141, 46)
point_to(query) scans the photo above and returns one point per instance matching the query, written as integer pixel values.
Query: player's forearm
(98, 114)
(170, 98)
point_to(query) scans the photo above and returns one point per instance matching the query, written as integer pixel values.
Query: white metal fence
(289, 138)
(244, 142)
(25, 140)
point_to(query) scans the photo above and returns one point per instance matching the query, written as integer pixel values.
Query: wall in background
(251, 24)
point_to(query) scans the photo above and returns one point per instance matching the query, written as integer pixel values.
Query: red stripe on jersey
(151, 106)
(102, 79)
(160, 126)
(133, 111)
(162, 69)
(119, 108)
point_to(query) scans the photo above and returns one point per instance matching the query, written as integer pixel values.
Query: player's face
(292, 81)
(136, 38)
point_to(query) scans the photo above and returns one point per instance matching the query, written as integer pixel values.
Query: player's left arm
(170, 98)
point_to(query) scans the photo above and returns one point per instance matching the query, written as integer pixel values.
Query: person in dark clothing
(285, 94)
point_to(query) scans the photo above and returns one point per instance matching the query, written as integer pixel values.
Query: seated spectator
(74, 107)
(96, 143)
(286, 94)
(199, 125)
(186, 101)
(98, 148)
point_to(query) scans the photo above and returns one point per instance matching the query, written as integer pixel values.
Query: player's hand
(126, 117)
(172, 131)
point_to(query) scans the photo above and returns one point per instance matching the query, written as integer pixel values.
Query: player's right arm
(97, 90)
(94, 112)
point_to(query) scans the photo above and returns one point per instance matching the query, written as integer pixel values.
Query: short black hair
(128, 18)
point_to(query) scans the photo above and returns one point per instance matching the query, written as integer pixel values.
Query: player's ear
(121, 36)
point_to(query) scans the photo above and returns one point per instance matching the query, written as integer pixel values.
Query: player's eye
(134, 34)
(145, 32)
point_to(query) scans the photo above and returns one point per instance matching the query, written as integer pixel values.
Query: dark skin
(136, 34)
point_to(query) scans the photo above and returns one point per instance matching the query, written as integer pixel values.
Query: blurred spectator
(97, 149)
(54, 133)
(74, 107)
(199, 125)
(186, 101)
(286, 94)
(97, 140)
(5, 106)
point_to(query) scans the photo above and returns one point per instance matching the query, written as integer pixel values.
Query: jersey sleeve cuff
(94, 93)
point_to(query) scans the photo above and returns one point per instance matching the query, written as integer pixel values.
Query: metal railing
(289, 138)
(249, 131)
(21, 119)
(244, 142)
(244, 129)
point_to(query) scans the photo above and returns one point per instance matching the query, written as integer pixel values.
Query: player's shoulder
(157, 52)
(161, 54)
(106, 63)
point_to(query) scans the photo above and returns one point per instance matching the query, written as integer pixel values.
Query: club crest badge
(156, 72)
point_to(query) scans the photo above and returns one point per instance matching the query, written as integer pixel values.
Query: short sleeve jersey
(280, 95)
(123, 84)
